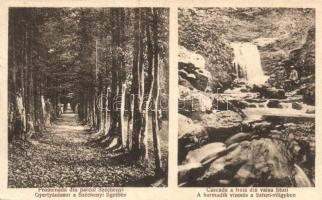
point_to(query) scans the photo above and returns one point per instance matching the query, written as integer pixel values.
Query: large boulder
(205, 151)
(191, 136)
(259, 162)
(188, 172)
(193, 102)
(192, 68)
(301, 178)
(185, 83)
(308, 92)
(261, 127)
(304, 58)
(221, 125)
(310, 110)
(221, 104)
(274, 93)
(297, 106)
(188, 127)
(239, 137)
(274, 104)
(269, 92)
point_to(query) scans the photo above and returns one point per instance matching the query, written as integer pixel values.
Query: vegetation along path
(61, 157)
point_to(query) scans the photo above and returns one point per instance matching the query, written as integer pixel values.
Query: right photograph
(246, 97)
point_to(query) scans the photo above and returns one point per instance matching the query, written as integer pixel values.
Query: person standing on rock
(293, 80)
(280, 77)
(294, 75)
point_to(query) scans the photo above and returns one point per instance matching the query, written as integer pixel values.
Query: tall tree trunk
(137, 118)
(130, 123)
(148, 91)
(115, 131)
(122, 113)
(155, 128)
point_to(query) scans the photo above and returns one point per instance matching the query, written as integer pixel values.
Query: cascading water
(248, 64)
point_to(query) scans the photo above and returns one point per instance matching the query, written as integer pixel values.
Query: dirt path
(61, 158)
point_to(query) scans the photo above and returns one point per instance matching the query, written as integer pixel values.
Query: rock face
(193, 102)
(192, 68)
(304, 58)
(269, 93)
(188, 127)
(233, 105)
(297, 106)
(301, 178)
(212, 127)
(308, 92)
(191, 135)
(221, 125)
(274, 104)
(262, 162)
(189, 171)
(274, 93)
(205, 151)
(310, 111)
(238, 138)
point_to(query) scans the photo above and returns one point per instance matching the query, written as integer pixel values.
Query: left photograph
(88, 97)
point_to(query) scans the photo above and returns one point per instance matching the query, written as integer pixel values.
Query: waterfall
(247, 63)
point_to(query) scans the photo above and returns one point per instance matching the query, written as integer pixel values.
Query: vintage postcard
(142, 99)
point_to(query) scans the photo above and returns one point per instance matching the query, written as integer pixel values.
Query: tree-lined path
(88, 92)
(63, 157)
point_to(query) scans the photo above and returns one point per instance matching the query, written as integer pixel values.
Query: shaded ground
(61, 158)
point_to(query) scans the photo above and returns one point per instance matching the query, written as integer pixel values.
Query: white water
(248, 64)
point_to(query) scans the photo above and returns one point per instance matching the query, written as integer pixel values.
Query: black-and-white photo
(88, 97)
(246, 97)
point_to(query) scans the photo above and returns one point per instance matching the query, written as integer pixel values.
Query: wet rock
(301, 178)
(293, 98)
(192, 102)
(256, 100)
(278, 126)
(297, 106)
(187, 126)
(238, 104)
(261, 105)
(192, 68)
(201, 153)
(262, 127)
(309, 94)
(189, 171)
(273, 93)
(289, 125)
(294, 147)
(224, 182)
(185, 83)
(210, 158)
(252, 106)
(220, 104)
(191, 135)
(221, 125)
(274, 104)
(276, 132)
(269, 93)
(244, 90)
(260, 162)
(310, 110)
(239, 137)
